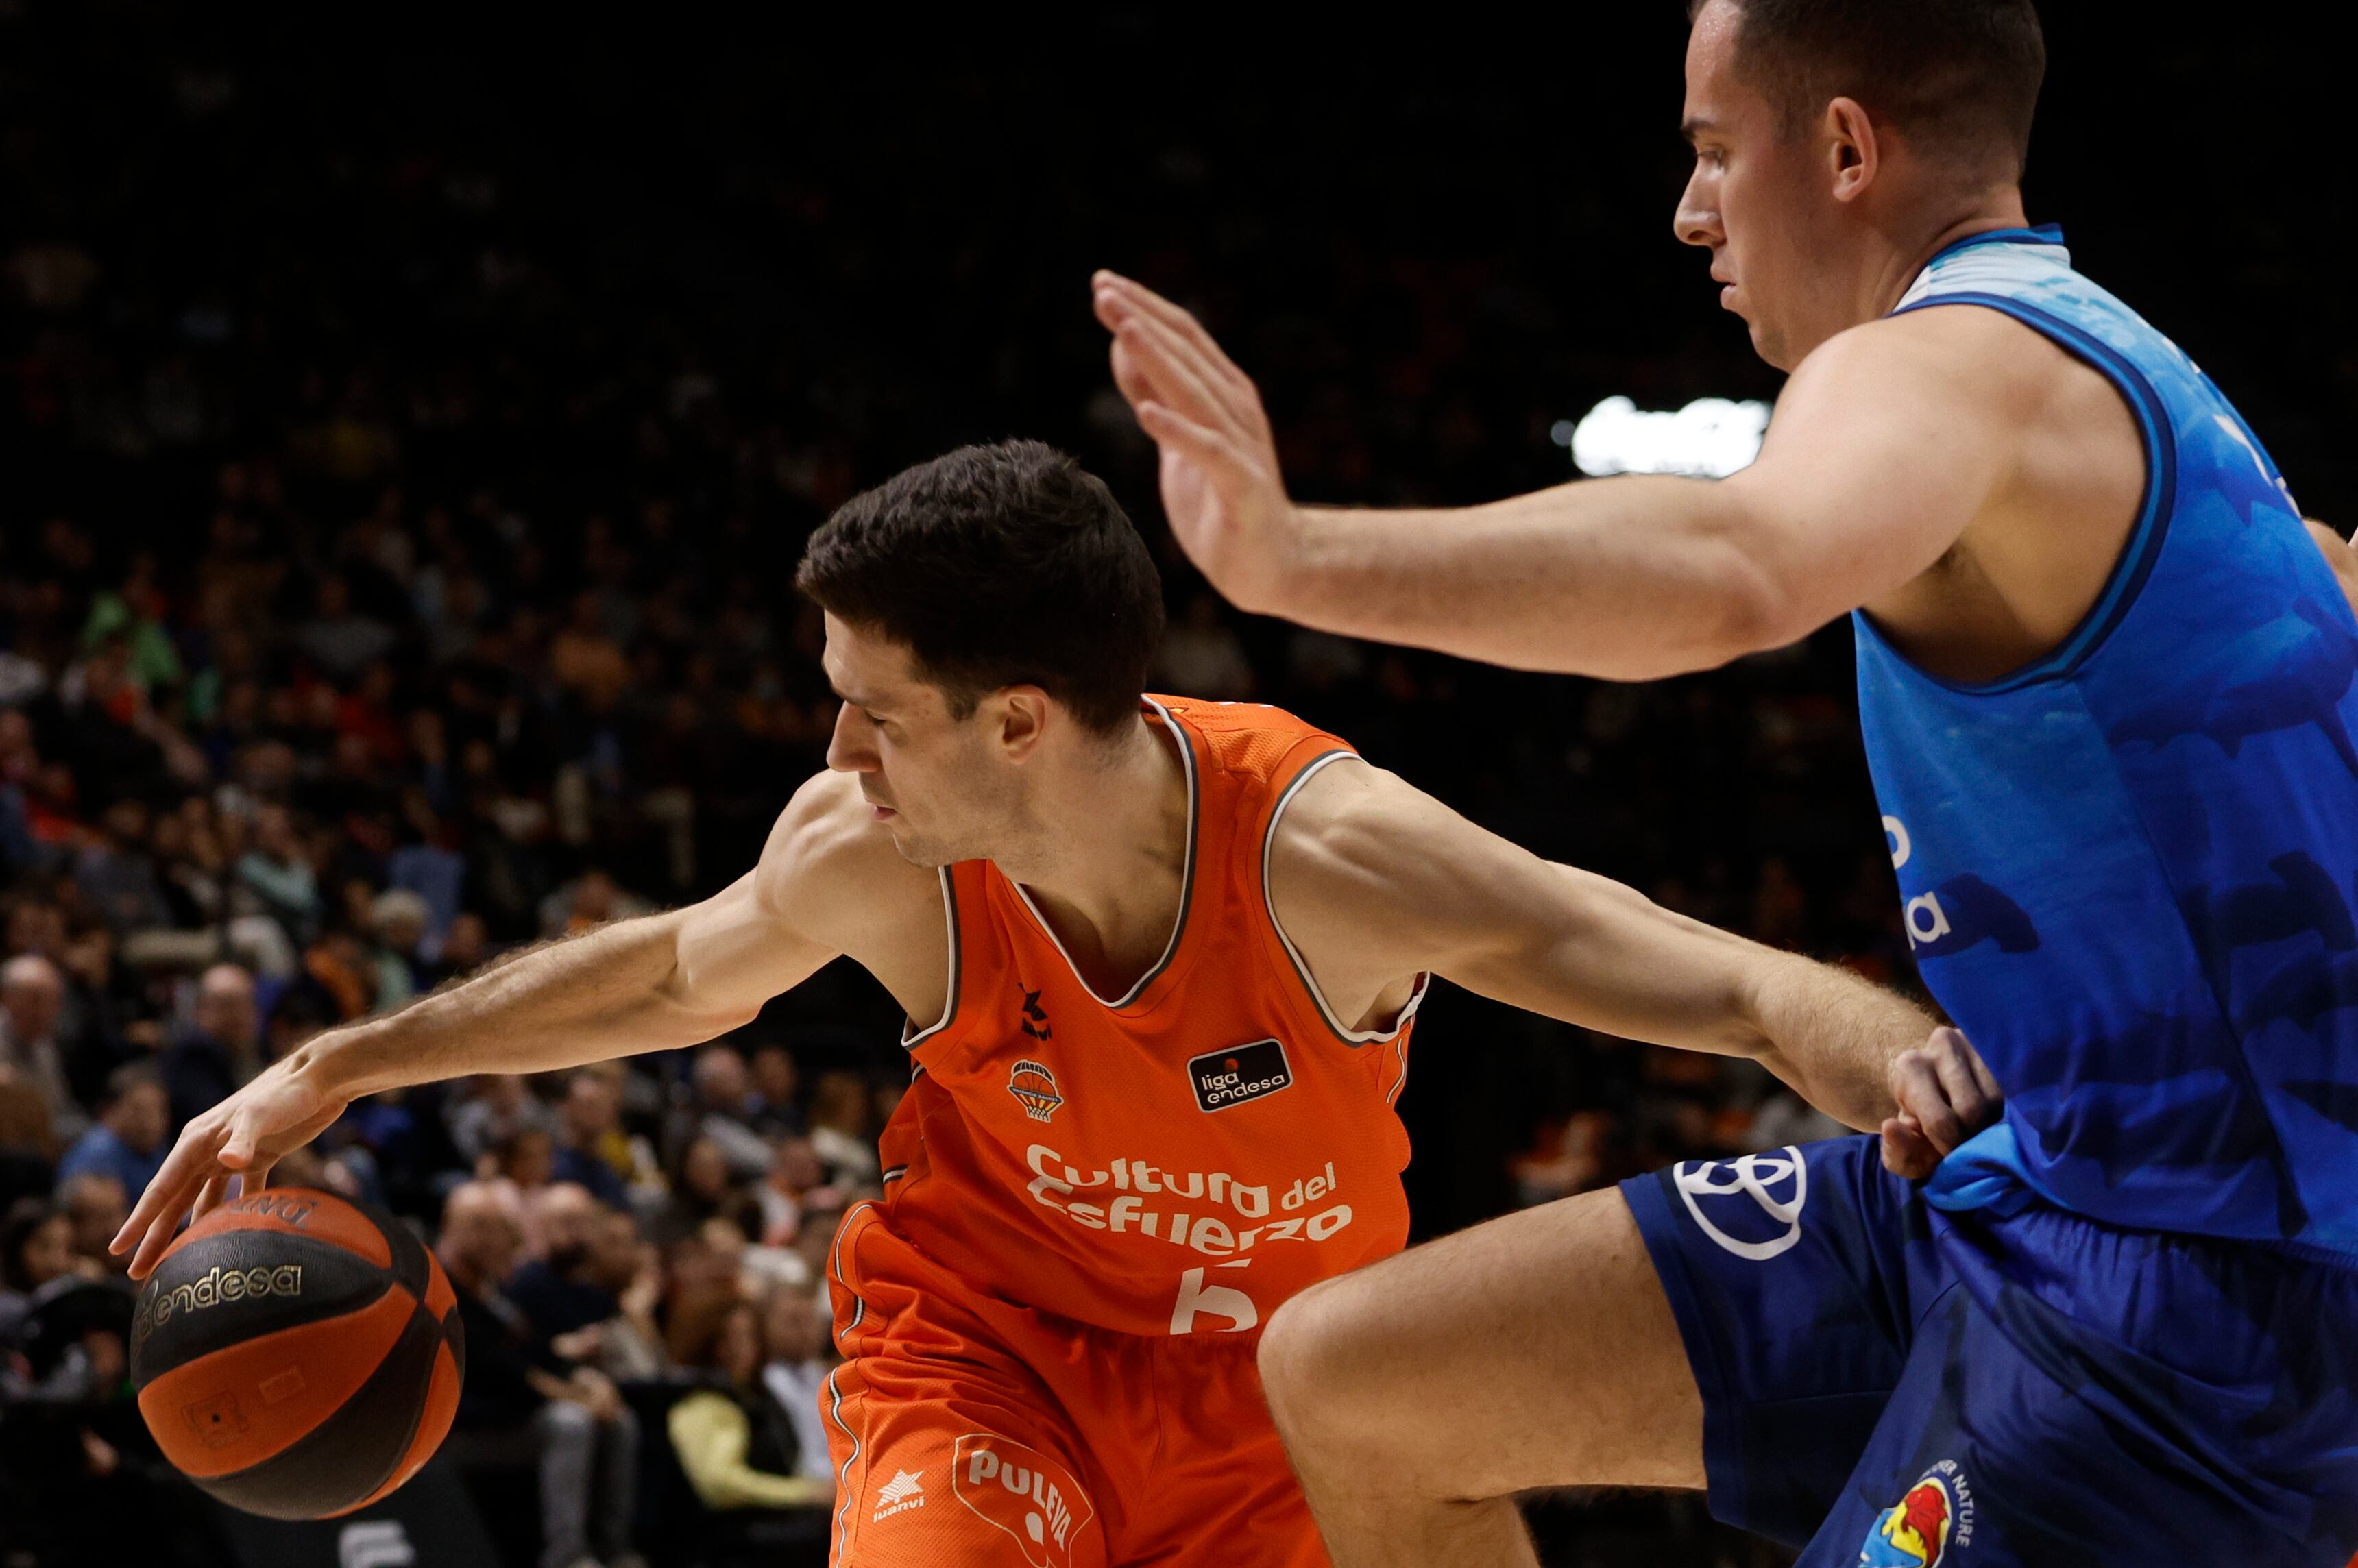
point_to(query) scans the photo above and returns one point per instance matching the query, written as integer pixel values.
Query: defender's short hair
(998, 565)
(1960, 78)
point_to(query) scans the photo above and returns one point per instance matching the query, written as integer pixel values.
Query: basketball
(297, 1355)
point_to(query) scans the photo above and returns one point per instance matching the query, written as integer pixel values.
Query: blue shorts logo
(1755, 1201)
(1918, 1530)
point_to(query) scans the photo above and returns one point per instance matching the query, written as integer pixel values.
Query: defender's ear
(1854, 148)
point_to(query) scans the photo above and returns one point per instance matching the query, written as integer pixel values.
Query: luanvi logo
(905, 1491)
(1240, 1073)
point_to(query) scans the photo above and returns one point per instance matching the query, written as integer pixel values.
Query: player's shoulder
(1251, 737)
(828, 842)
(1349, 823)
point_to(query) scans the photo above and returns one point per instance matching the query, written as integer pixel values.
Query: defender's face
(1750, 200)
(931, 779)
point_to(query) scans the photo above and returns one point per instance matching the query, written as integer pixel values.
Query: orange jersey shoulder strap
(1256, 752)
(1257, 758)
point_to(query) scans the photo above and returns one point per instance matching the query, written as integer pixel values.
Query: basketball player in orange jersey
(1160, 958)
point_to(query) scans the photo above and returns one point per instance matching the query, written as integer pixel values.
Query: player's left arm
(1374, 881)
(1889, 440)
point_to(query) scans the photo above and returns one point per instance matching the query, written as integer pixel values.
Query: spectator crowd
(386, 582)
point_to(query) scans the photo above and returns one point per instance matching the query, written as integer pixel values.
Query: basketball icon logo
(1035, 1086)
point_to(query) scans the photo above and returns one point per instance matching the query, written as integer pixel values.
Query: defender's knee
(1327, 1367)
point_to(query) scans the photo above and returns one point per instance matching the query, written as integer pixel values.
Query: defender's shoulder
(1939, 332)
(1961, 356)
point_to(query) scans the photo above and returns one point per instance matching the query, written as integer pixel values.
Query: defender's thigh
(938, 1468)
(1535, 1350)
(2116, 1400)
(1798, 1277)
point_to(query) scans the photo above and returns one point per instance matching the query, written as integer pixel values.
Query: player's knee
(1322, 1363)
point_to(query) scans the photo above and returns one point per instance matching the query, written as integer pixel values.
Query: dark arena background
(409, 424)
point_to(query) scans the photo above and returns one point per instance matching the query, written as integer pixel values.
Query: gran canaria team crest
(1034, 1085)
(1918, 1531)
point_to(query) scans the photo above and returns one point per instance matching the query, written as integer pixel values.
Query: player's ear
(1853, 149)
(1023, 719)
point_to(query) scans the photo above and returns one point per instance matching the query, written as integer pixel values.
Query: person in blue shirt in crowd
(132, 1135)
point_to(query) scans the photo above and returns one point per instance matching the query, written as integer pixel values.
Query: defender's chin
(1768, 343)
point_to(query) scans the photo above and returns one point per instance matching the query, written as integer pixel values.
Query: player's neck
(1913, 247)
(1891, 253)
(1107, 870)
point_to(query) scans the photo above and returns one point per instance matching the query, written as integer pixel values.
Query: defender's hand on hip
(1945, 1095)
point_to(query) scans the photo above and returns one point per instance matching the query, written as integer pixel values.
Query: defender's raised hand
(1221, 488)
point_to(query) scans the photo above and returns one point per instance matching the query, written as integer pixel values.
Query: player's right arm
(828, 882)
(1373, 881)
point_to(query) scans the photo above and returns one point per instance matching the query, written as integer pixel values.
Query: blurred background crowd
(408, 439)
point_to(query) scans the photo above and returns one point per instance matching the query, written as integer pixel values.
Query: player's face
(1753, 199)
(934, 780)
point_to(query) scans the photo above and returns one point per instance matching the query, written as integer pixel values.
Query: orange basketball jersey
(1178, 1160)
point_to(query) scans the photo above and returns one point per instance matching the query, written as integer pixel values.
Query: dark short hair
(998, 565)
(1960, 78)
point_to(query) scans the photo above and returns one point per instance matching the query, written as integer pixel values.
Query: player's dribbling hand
(1221, 487)
(244, 1136)
(1945, 1095)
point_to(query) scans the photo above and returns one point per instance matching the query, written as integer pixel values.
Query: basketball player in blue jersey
(2106, 678)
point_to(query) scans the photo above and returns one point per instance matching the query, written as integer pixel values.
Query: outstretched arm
(827, 885)
(1881, 454)
(1374, 881)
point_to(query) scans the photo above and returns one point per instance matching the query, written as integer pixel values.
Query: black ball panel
(218, 1291)
(349, 1455)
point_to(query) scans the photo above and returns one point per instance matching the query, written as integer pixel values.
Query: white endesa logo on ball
(1754, 1175)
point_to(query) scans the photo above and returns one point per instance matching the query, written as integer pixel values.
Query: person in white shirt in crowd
(32, 996)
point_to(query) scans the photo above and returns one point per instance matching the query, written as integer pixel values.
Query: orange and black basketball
(297, 1355)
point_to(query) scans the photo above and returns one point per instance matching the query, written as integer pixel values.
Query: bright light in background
(1710, 438)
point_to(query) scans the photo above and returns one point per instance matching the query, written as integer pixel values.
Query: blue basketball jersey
(2127, 870)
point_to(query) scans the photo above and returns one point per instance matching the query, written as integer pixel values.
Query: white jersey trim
(843, 1474)
(1301, 967)
(911, 1035)
(1186, 880)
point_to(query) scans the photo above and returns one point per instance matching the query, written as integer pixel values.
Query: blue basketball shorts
(1888, 1386)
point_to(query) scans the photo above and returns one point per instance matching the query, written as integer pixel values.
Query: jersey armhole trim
(2146, 534)
(911, 1037)
(1349, 1036)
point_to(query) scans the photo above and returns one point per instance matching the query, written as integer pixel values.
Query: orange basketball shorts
(969, 1431)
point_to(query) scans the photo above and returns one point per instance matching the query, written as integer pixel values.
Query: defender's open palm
(1221, 488)
(244, 1135)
